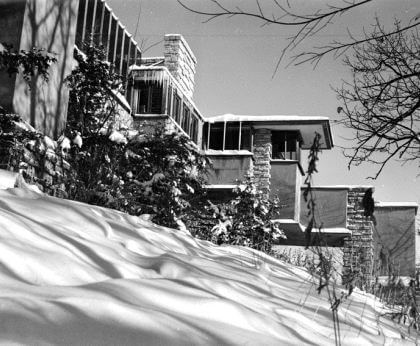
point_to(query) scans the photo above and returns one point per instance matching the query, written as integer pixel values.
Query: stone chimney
(180, 61)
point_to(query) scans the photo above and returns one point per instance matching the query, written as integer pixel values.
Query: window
(185, 118)
(132, 58)
(231, 136)
(106, 27)
(177, 108)
(285, 145)
(205, 135)
(127, 41)
(119, 49)
(97, 22)
(216, 136)
(194, 128)
(80, 23)
(149, 98)
(169, 105)
(112, 37)
(245, 138)
(89, 19)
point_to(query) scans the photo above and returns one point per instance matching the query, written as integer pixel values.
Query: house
(59, 27)
(159, 95)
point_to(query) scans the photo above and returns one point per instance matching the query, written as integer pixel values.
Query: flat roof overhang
(306, 125)
(295, 233)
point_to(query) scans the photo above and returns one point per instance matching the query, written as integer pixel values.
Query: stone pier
(358, 251)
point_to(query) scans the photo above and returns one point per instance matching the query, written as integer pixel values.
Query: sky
(234, 74)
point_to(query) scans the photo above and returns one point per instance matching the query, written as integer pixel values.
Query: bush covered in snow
(157, 174)
(246, 219)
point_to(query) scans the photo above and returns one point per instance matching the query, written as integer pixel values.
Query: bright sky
(236, 59)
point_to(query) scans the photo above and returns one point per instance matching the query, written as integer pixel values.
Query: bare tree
(280, 12)
(381, 104)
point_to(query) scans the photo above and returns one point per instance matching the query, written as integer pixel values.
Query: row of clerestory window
(96, 23)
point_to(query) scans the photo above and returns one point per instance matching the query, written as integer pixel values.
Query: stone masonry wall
(358, 254)
(262, 157)
(38, 165)
(151, 125)
(180, 61)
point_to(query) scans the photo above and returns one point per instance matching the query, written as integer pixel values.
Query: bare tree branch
(307, 25)
(382, 103)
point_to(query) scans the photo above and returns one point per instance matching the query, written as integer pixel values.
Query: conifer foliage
(154, 174)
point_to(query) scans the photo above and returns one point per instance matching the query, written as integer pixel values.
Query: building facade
(159, 97)
(59, 27)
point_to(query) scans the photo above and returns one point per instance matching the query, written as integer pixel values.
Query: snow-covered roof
(396, 204)
(306, 125)
(341, 187)
(264, 118)
(213, 152)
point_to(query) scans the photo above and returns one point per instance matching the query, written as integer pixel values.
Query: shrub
(245, 220)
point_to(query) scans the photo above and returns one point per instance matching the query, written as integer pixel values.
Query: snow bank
(72, 273)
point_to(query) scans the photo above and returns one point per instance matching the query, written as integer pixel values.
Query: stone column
(262, 157)
(358, 248)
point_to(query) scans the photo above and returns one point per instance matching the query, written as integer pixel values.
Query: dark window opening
(119, 50)
(127, 42)
(205, 135)
(80, 21)
(105, 28)
(96, 33)
(177, 108)
(216, 136)
(111, 41)
(245, 138)
(149, 98)
(232, 136)
(132, 57)
(185, 118)
(194, 128)
(285, 145)
(89, 20)
(169, 100)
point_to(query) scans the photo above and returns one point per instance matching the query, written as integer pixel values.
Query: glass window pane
(245, 138)
(80, 20)
(205, 134)
(89, 19)
(119, 50)
(111, 40)
(105, 28)
(97, 22)
(232, 136)
(185, 118)
(284, 145)
(127, 41)
(216, 136)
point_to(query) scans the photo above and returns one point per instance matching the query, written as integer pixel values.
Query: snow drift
(72, 273)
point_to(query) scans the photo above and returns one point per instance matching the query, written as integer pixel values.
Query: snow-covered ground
(75, 274)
